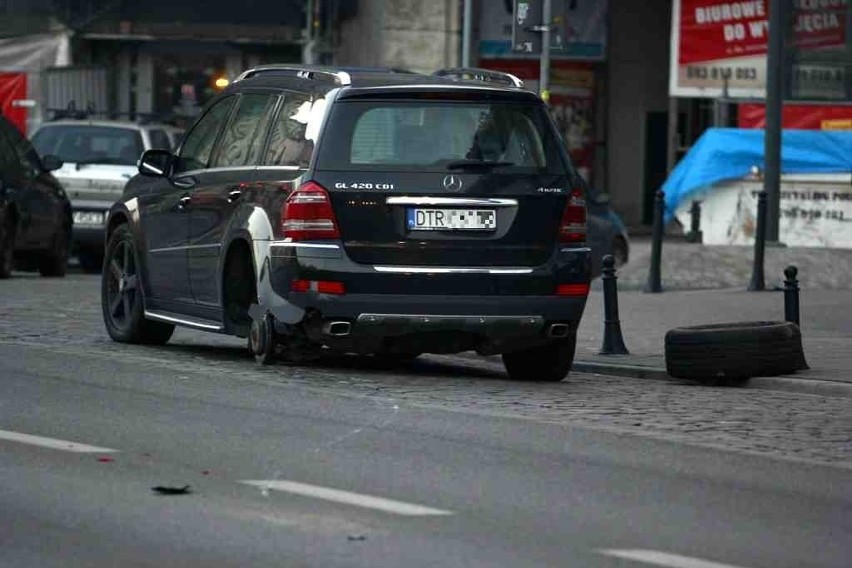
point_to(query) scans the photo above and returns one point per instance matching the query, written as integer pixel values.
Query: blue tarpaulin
(730, 153)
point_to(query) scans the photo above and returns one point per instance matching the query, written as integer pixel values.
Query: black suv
(380, 213)
(35, 214)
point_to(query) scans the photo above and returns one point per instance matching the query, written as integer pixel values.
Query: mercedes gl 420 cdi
(387, 214)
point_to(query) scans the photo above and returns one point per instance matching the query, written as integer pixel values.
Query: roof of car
(360, 80)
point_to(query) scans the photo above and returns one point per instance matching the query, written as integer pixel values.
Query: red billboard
(803, 117)
(722, 44)
(13, 87)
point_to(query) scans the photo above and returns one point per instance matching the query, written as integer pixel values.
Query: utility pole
(544, 71)
(775, 69)
(467, 25)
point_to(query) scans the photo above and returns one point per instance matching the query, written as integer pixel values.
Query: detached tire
(548, 363)
(731, 353)
(121, 295)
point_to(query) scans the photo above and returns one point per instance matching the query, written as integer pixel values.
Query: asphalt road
(346, 463)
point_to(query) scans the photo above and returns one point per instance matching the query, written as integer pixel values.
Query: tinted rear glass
(95, 144)
(432, 136)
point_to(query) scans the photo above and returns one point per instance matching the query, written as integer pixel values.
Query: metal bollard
(758, 282)
(695, 235)
(653, 285)
(613, 342)
(791, 295)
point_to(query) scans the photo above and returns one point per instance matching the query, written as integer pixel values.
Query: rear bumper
(435, 310)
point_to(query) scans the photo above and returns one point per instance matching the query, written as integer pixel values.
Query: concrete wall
(637, 76)
(411, 34)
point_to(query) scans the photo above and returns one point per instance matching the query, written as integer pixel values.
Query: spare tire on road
(730, 353)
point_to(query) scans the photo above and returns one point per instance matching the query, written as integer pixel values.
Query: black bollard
(758, 282)
(613, 342)
(791, 295)
(694, 235)
(653, 285)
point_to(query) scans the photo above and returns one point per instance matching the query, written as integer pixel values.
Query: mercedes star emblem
(452, 183)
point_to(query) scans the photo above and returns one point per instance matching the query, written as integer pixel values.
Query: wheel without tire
(547, 363)
(261, 340)
(730, 353)
(7, 248)
(55, 262)
(121, 295)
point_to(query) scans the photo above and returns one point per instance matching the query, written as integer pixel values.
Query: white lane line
(346, 497)
(664, 559)
(52, 443)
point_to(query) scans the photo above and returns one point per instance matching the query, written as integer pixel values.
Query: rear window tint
(429, 135)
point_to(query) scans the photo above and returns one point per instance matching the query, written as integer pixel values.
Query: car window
(159, 139)
(429, 135)
(242, 137)
(290, 143)
(198, 144)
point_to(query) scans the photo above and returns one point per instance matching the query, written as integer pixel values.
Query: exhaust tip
(338, 328)
(559, 330)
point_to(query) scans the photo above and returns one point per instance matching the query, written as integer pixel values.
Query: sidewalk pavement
(703, 285)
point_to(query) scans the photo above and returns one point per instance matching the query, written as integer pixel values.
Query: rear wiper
(472, 164)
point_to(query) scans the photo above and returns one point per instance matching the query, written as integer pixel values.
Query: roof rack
(301, 71)
(477, 74)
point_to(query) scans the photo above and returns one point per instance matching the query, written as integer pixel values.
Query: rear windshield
(436, 136)
(90, 144)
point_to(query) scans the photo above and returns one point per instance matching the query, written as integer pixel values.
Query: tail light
(307, 214)
(572, 228)
(321, 286)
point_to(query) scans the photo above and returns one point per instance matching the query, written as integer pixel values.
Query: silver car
(99, 157)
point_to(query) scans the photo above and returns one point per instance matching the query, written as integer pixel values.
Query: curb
(803, 385)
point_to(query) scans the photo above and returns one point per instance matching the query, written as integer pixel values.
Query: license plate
(88, 218)
(417, 219)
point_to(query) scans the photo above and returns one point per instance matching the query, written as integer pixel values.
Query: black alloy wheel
(122, 285)
(121, 295)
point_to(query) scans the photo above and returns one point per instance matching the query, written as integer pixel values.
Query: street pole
(308, 46)
(774, 100)
(544, 72)
(467, 25)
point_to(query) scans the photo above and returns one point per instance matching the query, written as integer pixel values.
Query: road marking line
(346, 497)
(664, 559)
(52, 443)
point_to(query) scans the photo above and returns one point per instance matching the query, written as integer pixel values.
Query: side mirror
(156, 163)
(51, 163)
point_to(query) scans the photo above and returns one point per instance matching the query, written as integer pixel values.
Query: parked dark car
(35, 214)
(383, 214)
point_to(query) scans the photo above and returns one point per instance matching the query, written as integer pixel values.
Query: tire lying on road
(730, 353)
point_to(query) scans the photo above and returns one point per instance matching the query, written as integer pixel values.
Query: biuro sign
(722, 44)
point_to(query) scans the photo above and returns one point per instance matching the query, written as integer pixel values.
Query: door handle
(234, 195)
(184, 201)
